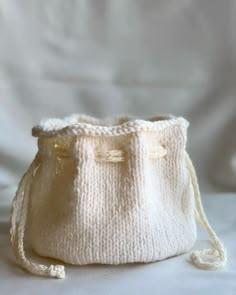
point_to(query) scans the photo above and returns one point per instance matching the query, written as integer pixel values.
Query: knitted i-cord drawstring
(21, 202)
(218, 249)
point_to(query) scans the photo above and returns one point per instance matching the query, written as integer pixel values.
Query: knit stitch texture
(140, 209)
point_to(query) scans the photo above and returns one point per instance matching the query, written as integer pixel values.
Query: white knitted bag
(110, 192)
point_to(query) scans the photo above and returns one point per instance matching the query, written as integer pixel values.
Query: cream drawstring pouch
(110, 192)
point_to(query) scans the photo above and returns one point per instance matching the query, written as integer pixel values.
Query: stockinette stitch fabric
(110, 191)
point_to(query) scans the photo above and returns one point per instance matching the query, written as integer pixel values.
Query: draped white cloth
(120, 57)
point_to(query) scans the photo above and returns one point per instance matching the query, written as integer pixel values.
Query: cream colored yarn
(110, 191)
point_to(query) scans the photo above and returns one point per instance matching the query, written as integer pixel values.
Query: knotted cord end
(56, 271)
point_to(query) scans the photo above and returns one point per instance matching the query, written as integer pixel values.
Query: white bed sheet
(171, 276)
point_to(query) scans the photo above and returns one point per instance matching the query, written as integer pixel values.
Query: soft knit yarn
(110, 191)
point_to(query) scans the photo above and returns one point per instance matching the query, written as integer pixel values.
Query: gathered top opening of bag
(110, 191)
(86, 125)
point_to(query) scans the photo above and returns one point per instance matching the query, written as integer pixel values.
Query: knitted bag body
(109, 192)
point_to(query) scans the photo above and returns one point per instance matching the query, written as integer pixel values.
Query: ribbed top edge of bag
(77, 124)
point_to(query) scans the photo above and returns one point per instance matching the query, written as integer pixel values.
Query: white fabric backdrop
(111, 57)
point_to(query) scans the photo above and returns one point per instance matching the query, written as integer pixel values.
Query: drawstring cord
(197, 257)
(20, 205)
